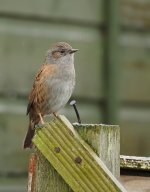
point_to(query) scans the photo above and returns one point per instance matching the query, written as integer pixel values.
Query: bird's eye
(62, 51)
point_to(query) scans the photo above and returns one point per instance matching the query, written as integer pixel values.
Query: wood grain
(83, 175)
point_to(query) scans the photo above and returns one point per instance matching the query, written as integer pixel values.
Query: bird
(52, 87)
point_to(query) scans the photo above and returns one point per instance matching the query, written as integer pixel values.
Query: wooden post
(31, 173)
(103, 139)
(47, 179)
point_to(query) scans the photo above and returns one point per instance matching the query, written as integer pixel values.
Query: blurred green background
(112, 70)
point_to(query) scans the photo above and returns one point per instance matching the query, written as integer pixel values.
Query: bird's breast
(60, 89)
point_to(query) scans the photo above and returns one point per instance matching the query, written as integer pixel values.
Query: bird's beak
(73, 51)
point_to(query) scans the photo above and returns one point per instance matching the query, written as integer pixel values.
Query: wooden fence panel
(28, 28)
(12, 159)
(134, 124)
(85, 11)
(13, 127)
(135, 14)
(135, 67)
(23, 46)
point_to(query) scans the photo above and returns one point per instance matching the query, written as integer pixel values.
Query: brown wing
(39, 89)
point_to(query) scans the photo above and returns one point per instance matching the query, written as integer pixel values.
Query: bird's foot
(41, 119)
(55, 114)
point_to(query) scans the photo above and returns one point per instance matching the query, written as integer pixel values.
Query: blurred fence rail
(28, 28)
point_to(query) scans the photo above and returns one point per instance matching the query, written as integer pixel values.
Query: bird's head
(60, 53)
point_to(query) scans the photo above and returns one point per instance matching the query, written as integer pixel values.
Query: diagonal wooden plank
(73, 159)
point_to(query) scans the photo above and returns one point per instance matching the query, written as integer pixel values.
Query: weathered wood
(133, 162)
(72, 158)
(14, 123)
(105, 141)
(31, 173)
(47, 178)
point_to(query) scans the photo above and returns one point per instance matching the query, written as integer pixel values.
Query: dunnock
(52, 87)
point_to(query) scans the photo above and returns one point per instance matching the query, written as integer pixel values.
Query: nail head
(57, 149)
(78, 160)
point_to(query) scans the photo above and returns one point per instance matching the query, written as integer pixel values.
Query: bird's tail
(29, 135)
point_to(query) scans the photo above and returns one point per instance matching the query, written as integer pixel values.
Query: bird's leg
(55, 114)
(41, 119)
